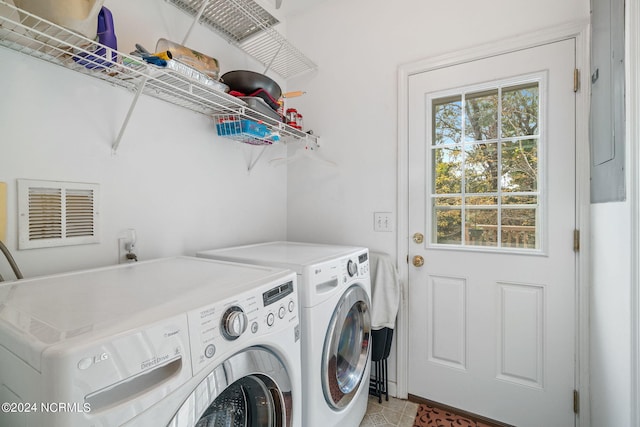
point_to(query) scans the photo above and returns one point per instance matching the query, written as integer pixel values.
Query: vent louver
(45, 213)
(53, 213)
(80, 212)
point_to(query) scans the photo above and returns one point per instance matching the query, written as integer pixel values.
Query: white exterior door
(492, 311)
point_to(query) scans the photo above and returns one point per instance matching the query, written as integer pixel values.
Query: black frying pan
(248, 82)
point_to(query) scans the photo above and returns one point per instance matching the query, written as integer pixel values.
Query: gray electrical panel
(607, 117)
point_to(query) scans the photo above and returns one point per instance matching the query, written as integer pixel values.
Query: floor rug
(429, 416)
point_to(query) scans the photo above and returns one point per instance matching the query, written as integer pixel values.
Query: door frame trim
(632, 93)
(579, 31)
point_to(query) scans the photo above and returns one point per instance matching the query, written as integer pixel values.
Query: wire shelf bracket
(116, 143)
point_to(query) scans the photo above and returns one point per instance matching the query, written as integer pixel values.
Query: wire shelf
(247, 25)
(34, 36)
(29, 34)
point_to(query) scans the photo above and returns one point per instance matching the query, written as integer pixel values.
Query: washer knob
(234, 323)
(352, 268)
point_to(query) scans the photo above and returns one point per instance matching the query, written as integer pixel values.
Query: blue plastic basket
(245, 130)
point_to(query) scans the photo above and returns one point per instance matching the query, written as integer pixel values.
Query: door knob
(418, 237)
(418, 261)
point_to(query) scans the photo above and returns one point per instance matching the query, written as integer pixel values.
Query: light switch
(382, 221)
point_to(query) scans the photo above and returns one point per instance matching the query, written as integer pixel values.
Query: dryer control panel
(223, 328)
(355, 266)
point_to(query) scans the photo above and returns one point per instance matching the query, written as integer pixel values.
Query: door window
(485, 156)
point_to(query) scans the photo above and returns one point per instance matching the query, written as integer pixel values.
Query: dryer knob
(234, 323)
(352, 268)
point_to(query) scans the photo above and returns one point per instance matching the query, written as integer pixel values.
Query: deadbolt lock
(418, 237)
(418, 261)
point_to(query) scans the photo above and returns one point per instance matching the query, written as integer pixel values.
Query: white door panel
(492, 328)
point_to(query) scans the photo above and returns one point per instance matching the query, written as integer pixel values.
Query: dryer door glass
(346, 348)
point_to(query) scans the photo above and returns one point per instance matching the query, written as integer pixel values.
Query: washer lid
(57, 310)
(292, 255)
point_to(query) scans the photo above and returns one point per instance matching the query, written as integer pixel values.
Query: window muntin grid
(485, 151)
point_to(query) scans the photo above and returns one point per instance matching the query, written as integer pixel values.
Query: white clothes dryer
(335, 292)
(179, 342)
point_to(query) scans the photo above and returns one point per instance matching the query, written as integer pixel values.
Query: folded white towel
(385, 291)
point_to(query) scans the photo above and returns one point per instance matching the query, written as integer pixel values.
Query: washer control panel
(280, 304)
(229, 326)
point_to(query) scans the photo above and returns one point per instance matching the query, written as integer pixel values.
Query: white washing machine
(170, 342)
(335, 292)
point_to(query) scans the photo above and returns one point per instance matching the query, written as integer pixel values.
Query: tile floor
(392, 413)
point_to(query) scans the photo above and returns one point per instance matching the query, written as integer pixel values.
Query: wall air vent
(53, 213)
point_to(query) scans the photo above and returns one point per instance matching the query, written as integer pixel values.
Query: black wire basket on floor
(380, 348)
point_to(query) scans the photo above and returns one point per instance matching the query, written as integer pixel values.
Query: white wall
(351, 102)
(174, 180)
(610, 315)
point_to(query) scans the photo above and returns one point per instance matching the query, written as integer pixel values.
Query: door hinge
(576, 401)
(576, 79)
(576, 240)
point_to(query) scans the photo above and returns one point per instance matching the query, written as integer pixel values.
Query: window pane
(520, 165)
(448, 226)
(481, 168)
(481, 116)
(519, 228)
(481, 227)
(447, 167)
(448, 201)
(519, 200)
(520, 110)
(481, 201)
(447, 120)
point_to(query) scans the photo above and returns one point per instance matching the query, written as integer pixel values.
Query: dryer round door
(346, 348)
(250, 389)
